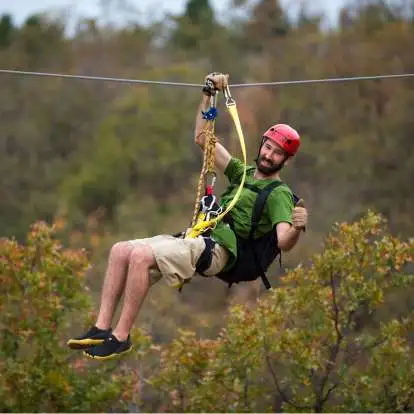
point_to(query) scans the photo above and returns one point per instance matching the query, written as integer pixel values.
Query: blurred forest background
(107, 162)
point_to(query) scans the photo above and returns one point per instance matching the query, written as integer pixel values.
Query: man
(135, 265)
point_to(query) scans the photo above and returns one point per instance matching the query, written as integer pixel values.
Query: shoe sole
(112, 356)
(83, 343)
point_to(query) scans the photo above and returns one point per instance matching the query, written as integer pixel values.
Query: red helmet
(285, 136)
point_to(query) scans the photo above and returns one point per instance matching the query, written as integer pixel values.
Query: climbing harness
(254, 254)
(205, 219)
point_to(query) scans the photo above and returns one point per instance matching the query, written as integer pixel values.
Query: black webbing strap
(256, 215)
(204, 261)
(259, 205)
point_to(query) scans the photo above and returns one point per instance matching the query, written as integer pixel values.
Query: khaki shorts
(177, 258)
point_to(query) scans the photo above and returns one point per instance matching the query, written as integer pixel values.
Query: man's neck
(260, 176)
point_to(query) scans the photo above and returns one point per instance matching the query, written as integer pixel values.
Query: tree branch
(180, 391)
(276, 381)
(14, 274)
(334, 351)
(335, 308)
(245, 392)
(330, 390)
(407, 406)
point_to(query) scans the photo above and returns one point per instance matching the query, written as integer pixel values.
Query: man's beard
(268, 169)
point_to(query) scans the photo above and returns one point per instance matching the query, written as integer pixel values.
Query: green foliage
(38, 39)
(373, 15)
(42, 287)
(53, 129)
(268, 23)
(199, 12)
(306, 347)
(195, 26)
(6, 30)
(147, 135)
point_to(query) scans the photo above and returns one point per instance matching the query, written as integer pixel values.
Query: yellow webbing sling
(201, 226)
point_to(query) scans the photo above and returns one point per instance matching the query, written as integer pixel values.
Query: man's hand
(300, 215)
(215, 81)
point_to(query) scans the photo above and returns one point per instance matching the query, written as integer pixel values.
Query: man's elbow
(287, 237)
(198, 139)
(286, 244)
(285, 247)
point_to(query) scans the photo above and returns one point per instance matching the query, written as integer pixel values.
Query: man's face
(271, 158)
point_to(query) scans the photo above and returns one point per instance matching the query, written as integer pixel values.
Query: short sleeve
(280, 205)
(234, 170)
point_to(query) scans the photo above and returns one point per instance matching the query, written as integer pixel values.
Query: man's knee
(121, 251)
(142, 255)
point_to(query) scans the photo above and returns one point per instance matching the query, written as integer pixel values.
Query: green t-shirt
(278, 208)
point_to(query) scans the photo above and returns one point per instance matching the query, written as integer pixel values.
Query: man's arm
(222, 156)
(288, 234)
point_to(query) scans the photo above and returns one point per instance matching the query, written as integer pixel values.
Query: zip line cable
(195, 85)
(326, 80)
(98, 78)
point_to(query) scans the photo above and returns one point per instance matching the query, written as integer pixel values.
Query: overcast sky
(20, 9)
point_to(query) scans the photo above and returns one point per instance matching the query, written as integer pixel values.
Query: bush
(42, 287)
(312, 345)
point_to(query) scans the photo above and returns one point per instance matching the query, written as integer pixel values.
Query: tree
(140, 139)
(372, 15)
(41, 40)
(195, 26)
(6, 30)
(268, 23)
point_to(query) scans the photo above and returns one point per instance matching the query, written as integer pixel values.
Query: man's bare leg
(114, 283)
(137, 286)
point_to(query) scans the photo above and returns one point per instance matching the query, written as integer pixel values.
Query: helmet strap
(280, 165)
(260, 147)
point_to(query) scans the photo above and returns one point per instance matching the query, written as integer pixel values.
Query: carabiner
(207, 202)
(214, 213)
(229, 100)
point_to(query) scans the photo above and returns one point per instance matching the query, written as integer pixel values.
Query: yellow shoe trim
(83, 343)
(112, 356)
